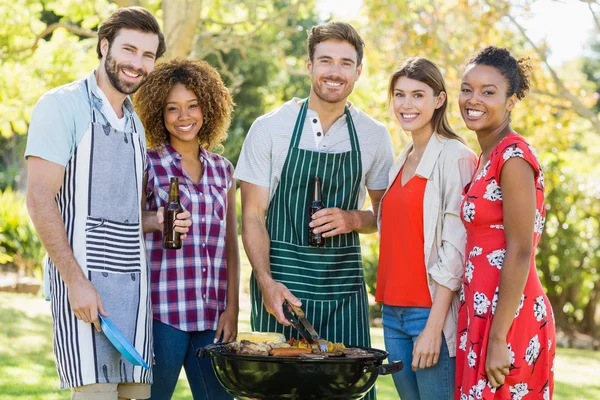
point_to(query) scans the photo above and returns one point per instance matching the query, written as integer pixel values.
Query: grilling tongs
(298, 319)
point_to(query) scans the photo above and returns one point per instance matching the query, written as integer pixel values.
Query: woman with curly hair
(506, 339)
(186, 111)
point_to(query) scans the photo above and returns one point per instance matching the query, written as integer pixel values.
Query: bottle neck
(316, 190)
(174, 191)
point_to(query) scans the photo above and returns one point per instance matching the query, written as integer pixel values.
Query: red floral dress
(531, 338)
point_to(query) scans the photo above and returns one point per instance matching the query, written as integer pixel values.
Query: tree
(47, 43)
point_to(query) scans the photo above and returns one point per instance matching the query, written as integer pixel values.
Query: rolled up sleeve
(448, 270)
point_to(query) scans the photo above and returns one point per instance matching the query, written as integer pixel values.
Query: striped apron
(328, 280)
(99, 202)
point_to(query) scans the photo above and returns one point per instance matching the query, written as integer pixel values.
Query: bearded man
(86, 154)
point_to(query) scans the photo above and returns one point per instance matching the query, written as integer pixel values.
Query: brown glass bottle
(172, 238)
(316, 204)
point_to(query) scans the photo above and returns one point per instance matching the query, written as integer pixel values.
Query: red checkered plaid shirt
(189, 285)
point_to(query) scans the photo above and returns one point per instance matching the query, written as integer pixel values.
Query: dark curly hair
(199, 77)
(516, 71)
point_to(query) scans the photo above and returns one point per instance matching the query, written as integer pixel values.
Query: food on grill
(302, 343)
(261, 337)
(289, 352)
(254, 349)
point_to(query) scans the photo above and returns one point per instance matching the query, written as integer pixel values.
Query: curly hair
(516, 71)
(199, 77)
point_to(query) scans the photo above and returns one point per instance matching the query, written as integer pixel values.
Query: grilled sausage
(288, 352)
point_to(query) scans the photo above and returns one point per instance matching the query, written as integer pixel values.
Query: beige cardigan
(448, 165)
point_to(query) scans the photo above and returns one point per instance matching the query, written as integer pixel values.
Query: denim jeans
(172, 350)
(401, 327)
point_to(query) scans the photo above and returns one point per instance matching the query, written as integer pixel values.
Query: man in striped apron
(86, 155)
(323, 136)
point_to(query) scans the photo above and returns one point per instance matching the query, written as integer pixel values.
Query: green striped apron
(328, 280)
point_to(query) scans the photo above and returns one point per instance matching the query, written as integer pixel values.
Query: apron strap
(352, 131)
(299, 126)
(91, 99)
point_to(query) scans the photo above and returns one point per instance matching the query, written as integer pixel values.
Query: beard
(331, 96)
(112, 71)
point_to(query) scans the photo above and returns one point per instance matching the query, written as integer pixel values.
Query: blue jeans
(401, 327)
(172, 350)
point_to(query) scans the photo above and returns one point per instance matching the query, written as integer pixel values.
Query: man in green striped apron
(323, 136)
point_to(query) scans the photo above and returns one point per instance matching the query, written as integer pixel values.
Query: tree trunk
(180, 21)
(589, 322)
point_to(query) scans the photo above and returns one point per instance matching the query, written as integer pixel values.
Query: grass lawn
(27, 369)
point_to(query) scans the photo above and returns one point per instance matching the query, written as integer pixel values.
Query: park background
(259, 47)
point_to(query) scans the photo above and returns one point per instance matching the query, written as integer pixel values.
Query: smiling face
(129, 59)
(182, 115)
(484, 104)
(333, 70)
(414, 103)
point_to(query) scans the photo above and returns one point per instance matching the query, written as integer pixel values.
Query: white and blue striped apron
(99, 202)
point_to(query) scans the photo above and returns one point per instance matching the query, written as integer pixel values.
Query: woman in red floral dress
(506, 334)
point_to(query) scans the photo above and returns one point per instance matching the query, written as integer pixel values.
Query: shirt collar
(430, 156)
(296, 109)
(432, 152)
(128, 105)
(168, 152)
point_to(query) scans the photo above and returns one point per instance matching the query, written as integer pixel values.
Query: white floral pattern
(483, 171)
(471, 358)
(533, 350)
(539, 309)
(463, 341)
(481, 303)
(512, 152)
(493, 191)
(468, 211)
(496, 258)
(497, 226)
(511, 354)
(495, 300)
(521, 303)
(476, 251)
(518, 391)
(547, 393)
(540, 179)
(469, 268)
(540, 221)
(476, 391)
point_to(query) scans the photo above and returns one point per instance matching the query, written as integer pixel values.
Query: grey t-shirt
(266, 146)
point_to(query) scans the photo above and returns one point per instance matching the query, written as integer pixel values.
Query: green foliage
(569, 252)
(20, 246)
(265, 74)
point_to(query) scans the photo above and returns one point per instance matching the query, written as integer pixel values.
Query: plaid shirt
(189, 286)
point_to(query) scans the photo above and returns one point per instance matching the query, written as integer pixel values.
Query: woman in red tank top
(422, 238)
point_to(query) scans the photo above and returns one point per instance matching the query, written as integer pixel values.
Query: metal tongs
(298, 319)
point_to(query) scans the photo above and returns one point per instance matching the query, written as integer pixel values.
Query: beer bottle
(171, 238)
(315, 239)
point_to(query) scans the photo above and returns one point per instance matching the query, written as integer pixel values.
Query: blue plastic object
(119, 340)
